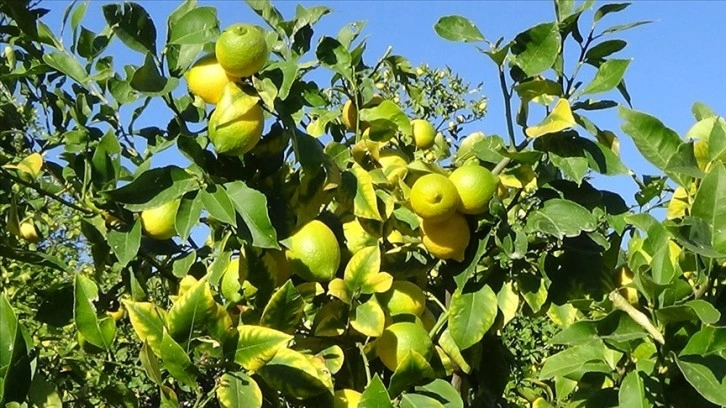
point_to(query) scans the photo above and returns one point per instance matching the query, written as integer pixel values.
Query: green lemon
(242, 50)
(314, 253)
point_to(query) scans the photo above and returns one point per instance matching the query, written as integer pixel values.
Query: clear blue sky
(678, 59)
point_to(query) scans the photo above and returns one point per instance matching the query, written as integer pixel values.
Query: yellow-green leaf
(362, 274)
(177, 361)
(338, 289)
(369, 318)
(365, 204)
(449, 346)
(559, 119)
(148, 323)
(238, 390)
(191, 310)
(411, 369)
(32, 165)
(285, 310)
(256, 345)
(293, 374)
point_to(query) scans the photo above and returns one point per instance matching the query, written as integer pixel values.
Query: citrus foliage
(361, 251)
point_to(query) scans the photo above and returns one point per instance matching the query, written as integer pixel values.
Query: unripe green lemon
(403, 297)
(400, 338)
(236, 125)
(314, 253)
(158, 223)
(242, 50)
(476, 186)
(424, 133)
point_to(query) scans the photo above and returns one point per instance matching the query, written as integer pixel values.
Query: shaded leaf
(133, 25)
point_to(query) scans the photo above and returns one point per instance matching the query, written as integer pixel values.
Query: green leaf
(508, 301)
(691, 310)
(559, 119)
(252, 207)
(707, 374)
(608, 76)
(15, 369)
(442, 391)
(623, 27)
(43, 393)
(148, 323)
(285, 310)
(561, 218)
(411, 370)
(197, 26)
(68, 65)
(334, 358)
(99, 332)
(604, 49)
(187, 216)
(710, 204)
(617, 326)
(609, 8)
(368, 318)
(533, 89)
(149, 81)
(218, 205)
(385, 118)
(702, 111)
(536, 49)
(133, 26)
(449, 346)
(457, 28)
(333, 55)
(153, 188)
(632, 391)
(375, 395)
(190, 311)
(571, 359)
(257, 345)
(365, 204)
(410, 400)
(125, 244)
(181, 265)
(717, 140)
(709, 340)
(292, 373)
(177, 361)
(472, 313)
(238, 390)
(150, 362)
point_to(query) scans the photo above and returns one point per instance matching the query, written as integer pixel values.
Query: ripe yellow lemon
(206, 79)
(434, 197)
(403, 297)
(236, 125)
(346, 398)
(314, 253)
(476, 186)
(446, 239)
(400, 338)
(242, 50)
(158, 223)
(28, 232)
(424, 133)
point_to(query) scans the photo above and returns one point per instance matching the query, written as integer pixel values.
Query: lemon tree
(338, 232)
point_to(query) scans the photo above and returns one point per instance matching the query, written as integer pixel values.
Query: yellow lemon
(476, 186)
(206, 79)
(242, 50)
(446, 239)
(350, 115)
(28, 232)
(424, 133)
(346, 398)
(400, 338)
(158, 223)
(434, 197)
(403, 297)
(236, 125)
(314, 253)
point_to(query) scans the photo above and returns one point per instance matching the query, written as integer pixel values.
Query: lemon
(476, 186)
(242, 50)
(424, 133)
(314, 253)
(350, 115)
(446, 239)
(206, 79)
(434, 197)
(400, 338)
(236, 125)
(346, 398)
(28, 232)
(403, 297)
(158, 223)
(394, 164)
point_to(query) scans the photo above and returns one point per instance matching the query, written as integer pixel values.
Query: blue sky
(678, 59)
